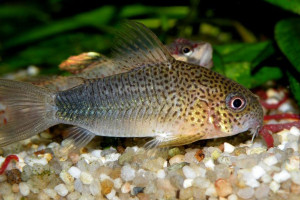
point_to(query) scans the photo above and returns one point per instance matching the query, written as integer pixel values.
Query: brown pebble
(15, 188)
(295, 188)
(239, 150)
(120, 149)
(106, 186)
(223, 187)
(186, 193)
(39, 152)
(83, 150)
(199, 155)
(221, 147)
(74, 157)
(116, 173)
(143, 196)
(13, 176)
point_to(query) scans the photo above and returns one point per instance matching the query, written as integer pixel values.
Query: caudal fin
(29, 110)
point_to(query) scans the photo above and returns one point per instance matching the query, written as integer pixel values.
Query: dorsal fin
(136, 46)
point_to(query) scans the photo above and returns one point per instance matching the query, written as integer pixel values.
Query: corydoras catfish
(171, 101)
(95, 65)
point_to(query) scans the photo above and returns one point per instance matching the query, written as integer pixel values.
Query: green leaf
(290, 5)
(265, 74)
(176, 12)
(96, 18)
(253, 53)
(287, 35)
(20, 11)
(295, 87)
(52, 51)
(154, 23)
(218, 63)
(239, 72)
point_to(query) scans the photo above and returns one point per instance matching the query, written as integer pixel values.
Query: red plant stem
(267, 137)
(273, 106)
(281, 116)
(262, 94)
(7, 161)
(271, 128)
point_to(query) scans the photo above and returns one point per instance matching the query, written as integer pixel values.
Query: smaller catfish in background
(95, 65)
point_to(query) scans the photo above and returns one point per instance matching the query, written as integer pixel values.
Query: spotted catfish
(171, 101)
(95, 65)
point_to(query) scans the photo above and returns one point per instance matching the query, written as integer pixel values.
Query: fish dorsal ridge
(137, 46)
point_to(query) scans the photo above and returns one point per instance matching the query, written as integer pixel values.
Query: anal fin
(78, 137)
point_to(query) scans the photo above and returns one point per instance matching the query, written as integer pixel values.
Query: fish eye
(235, 102)
(187, 51)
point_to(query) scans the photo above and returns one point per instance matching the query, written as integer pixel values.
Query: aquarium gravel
(228, 168)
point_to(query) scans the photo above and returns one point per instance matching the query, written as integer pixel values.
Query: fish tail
(29, 110)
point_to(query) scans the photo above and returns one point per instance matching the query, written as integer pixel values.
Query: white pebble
(66, 177)
(117, 183)
(187, 183)
(200, 171)
(32, 70)
(295, 131)
(211, 191)
(281, 176)
(272, 101)
(31, 161)
(75, 172)
(176, 159)
(283, 135)
(292, 164)
(246, 193)
(201, 182)
(96, 153)
(293, 145)
(86, 178)
(61, 190)
(252, 183)
(161, 174)
(102, 177)
(228, 148)
(189, 172)
(274, 186)
(74, 196)
(209, 164)
(24, 189)
(126, 188)
(1, 157)
(51, 193)
(115, 198)
(165, 164)
(111, 195)
(94, 188)
(271, 160)
(285, 107)
(257, 171)
(266, 178)
(232, 197)
(296, 177)
(112, 157)
(127, 173)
